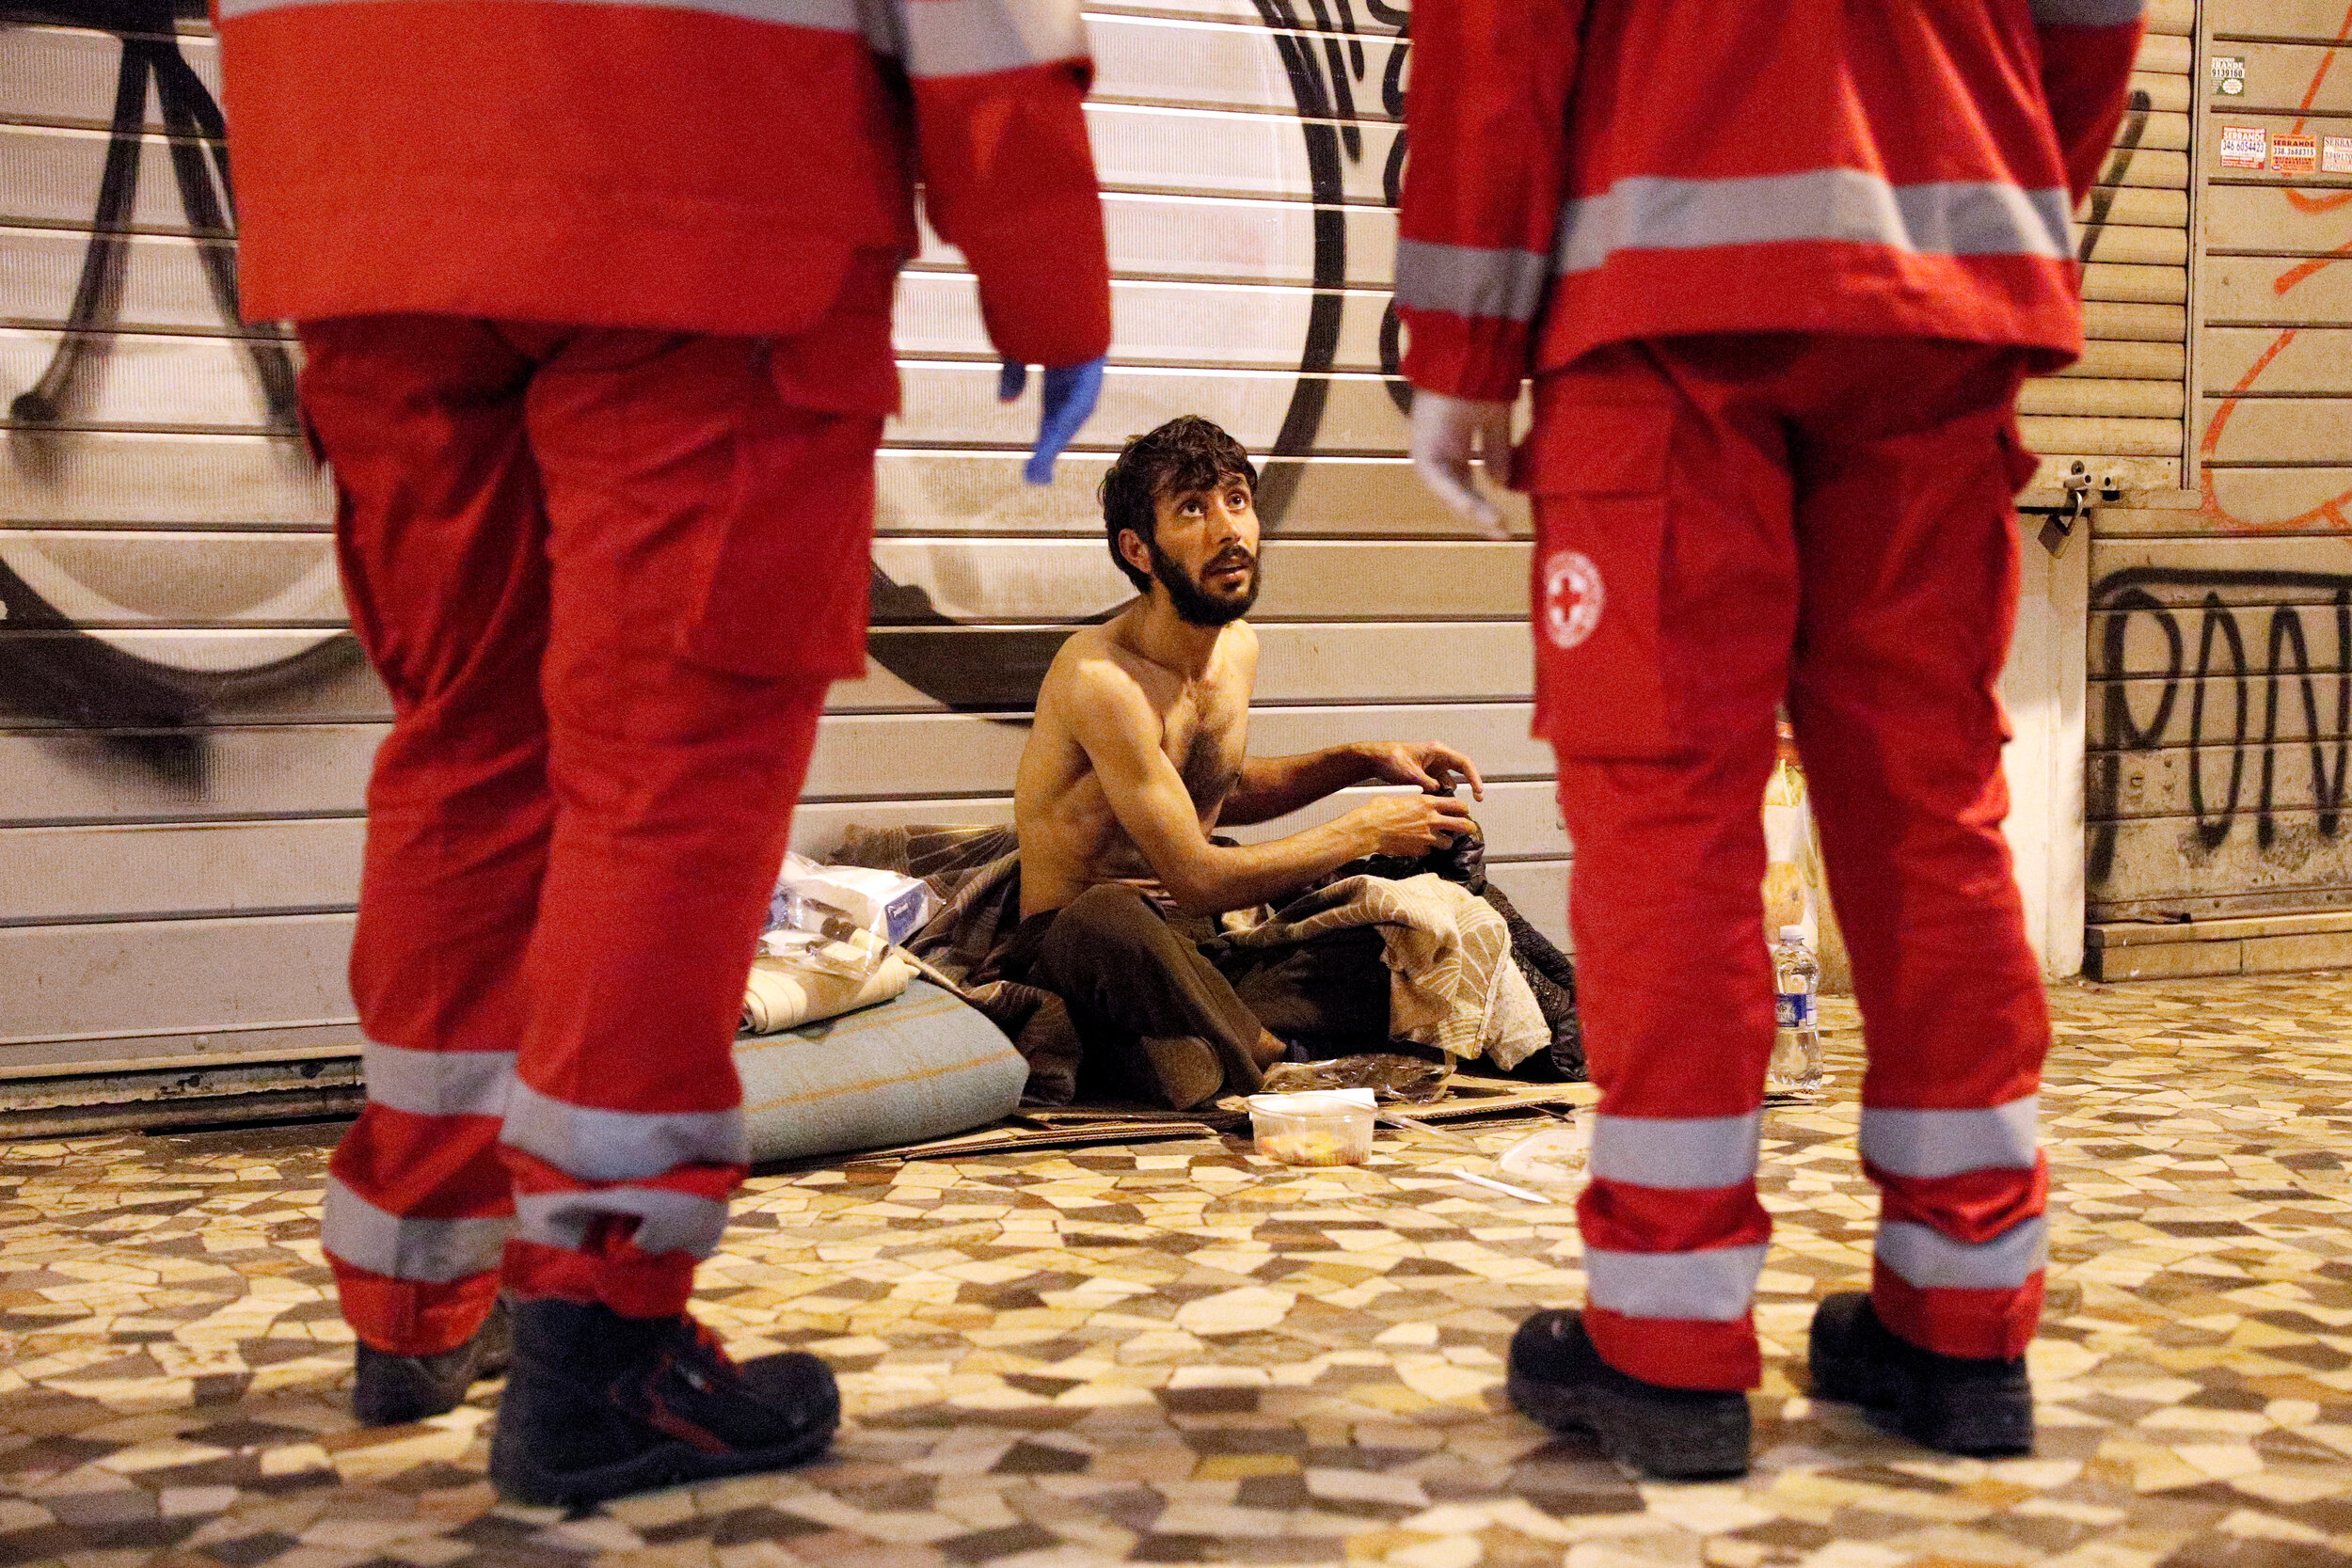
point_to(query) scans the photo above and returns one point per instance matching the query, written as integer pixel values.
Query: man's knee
(1106, 924)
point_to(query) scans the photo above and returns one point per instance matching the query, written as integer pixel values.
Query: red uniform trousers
(1726, 523)
(607, 576)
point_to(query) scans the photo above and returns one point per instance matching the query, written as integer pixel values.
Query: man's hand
(1447, 433)
(1407, 826)
(1425, 763)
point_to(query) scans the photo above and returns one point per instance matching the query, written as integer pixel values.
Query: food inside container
(1321, 1127)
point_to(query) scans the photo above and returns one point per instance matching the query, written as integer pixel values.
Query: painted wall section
(185, 727)
(2221, 634)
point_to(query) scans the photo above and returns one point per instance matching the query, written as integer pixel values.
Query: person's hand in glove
(1071, 393)
(1447, 433)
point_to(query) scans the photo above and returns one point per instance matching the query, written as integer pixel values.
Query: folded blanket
(782, 995)
(1452, 982)
(977, 871)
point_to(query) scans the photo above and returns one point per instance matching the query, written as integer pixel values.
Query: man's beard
(1195, 605)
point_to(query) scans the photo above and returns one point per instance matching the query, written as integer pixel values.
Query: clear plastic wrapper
(820, 938)
(1387, 1075)
(1555, 1158)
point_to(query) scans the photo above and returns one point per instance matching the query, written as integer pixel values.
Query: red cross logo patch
(1573, 597)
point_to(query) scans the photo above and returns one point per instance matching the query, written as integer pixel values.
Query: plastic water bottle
(1796, 1064)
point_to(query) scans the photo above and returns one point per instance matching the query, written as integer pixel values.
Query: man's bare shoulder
(1094, 671)
(1243, 638)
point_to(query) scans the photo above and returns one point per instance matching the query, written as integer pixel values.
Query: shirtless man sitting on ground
(1139, 754)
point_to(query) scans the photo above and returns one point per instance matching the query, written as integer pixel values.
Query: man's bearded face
(1221, 594)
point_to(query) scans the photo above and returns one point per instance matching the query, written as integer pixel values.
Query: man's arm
(1115, 724)
(1486, 112)
(1275, 786)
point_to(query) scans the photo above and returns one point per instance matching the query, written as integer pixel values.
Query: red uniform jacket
(701, 165)
(1590, 171)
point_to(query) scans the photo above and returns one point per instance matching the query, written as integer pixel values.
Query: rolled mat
(781, 994)
(924, 1066)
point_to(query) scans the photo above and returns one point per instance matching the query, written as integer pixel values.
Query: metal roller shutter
(2119, 410)
(2220, 632)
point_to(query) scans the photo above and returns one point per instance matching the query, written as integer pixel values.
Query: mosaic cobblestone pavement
(1178, 1353)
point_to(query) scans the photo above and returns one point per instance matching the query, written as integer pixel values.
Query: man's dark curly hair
(1186, 453)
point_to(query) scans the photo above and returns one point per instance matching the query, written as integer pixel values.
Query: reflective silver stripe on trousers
(1469, 282)
(832, 16)
(668, 1222)
(438, 1082)
(1946, 1143)
(434, 1251)
(1715, 1285)
(620, 1145)
(1972, 218)
(1682, 1152)
(2088, 13)
(1926, 1259)
(970, 37)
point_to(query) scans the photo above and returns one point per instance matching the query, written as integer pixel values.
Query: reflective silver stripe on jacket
(1715, 1285)
(1469, 282)
(620, 1145)
(1947, 1142)
(1926, 1259)
(1680, 1152)
(1960, 218)
(438, 1082)
(2088, 13)
(970, 37)
(668, 1221)
(434, 1251)
(832, 16)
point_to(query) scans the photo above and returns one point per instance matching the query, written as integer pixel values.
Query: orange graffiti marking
(2330, 510)
(2304, 201)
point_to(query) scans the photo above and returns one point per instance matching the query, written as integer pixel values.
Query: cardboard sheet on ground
(1471, 1099)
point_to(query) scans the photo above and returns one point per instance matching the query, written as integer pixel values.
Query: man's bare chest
(1207, 741)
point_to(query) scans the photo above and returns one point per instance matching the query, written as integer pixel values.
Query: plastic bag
(1389, 1076)
(892, 906)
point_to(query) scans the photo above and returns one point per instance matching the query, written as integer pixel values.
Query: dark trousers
(1127, 973)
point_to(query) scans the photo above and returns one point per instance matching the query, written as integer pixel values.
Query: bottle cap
(1792, 933)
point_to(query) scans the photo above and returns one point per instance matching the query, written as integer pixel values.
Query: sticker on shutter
(2245, 146)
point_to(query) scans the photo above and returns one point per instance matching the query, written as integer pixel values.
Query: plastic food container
(1556, 1157)
(1321, 1127)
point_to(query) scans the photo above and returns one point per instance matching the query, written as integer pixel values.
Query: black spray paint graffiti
(2128, 139)
(2290, 688)
(198, 150)
(1000, 671)
(48, 669)
(1323, 82)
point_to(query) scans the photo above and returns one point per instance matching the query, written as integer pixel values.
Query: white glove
(1447, 433)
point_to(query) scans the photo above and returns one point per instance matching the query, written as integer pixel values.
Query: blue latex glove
(1071, 394)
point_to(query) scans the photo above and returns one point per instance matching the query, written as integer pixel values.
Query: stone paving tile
(1178, 1353)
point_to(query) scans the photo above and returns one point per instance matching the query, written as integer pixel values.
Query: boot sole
(671, 1465)
(1975, 1425)
(1672, 1448)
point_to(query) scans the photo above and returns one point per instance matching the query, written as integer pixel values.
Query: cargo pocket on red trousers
(1597, 474)
(794, 571)
(792, 576)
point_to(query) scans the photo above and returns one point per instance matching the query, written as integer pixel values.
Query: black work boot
(1560, 1380)
(597, 1405)
(392, 1390)
(1954, 1403)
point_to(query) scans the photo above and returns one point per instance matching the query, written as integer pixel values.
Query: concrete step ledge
(2257, 944)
